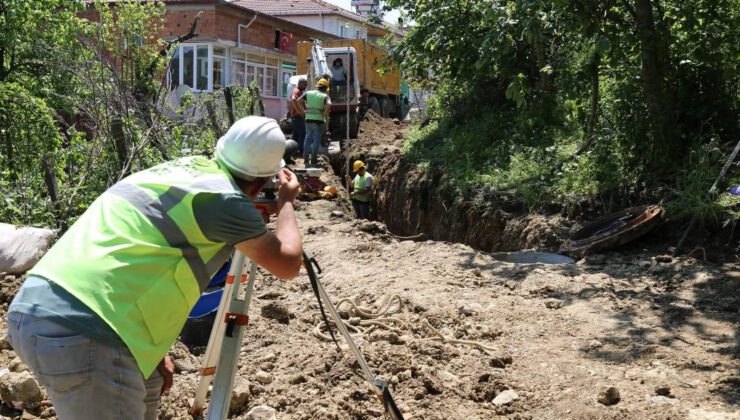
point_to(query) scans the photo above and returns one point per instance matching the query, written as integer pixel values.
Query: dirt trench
(407, 200)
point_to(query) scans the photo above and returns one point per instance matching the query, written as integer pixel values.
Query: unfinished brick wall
(223, 25)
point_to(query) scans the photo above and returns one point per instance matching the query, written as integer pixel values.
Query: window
(259, 78)
(288, 70)
(271, 81)
(219, 68)
(205, 67)
(174, 73)
(187, 69)
(201, 75)
(201, 67)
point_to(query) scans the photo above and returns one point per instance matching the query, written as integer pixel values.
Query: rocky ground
(461, 334)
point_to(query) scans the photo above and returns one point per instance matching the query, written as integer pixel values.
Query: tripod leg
(234, 321)
(215, 341)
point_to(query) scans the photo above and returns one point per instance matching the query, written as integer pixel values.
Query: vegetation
(572, 101)
(83, 104)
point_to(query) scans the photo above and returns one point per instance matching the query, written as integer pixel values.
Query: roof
(298, 7)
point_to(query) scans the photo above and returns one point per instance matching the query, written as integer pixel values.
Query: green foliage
(29, 31)
(28, 137)
(82, 105)
(572, 100)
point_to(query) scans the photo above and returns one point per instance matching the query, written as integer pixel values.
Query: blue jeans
(362, 209)
(84, 378)
(299, 132)
(314, 131)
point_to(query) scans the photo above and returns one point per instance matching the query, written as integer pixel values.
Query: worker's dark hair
(364, 89)
(321, 88)
(337, 59)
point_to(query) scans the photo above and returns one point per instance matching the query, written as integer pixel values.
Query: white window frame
(257, 65)
(193, 83)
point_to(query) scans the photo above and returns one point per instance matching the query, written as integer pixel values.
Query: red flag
(285, 40)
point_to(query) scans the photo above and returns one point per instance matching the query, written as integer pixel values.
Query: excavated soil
(407, 200)
(661, 331)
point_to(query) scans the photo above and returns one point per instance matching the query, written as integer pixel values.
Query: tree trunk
(2, 64)
(653, 76)
(50, 178)
(8, 142)
(229, 105)
(214, 123)
(119, 139)
(539, 52)
(594, 99)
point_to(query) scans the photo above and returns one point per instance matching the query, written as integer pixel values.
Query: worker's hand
(167, 369)
(289, 187)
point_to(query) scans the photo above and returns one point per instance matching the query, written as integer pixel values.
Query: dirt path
(560, 334)
(662, 331)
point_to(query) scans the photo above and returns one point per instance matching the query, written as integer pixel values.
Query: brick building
(235, 46)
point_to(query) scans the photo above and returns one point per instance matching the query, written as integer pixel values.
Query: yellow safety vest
(137, 256)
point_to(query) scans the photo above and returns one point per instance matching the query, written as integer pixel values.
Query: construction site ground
(463, 335)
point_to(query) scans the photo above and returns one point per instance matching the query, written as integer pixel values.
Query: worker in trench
(361, 190)
(96, 316)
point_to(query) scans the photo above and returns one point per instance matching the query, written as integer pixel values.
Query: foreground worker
(97, 315)
(362, 190)
(319, 104)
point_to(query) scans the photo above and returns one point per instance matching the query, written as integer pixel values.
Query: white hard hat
(253, 147)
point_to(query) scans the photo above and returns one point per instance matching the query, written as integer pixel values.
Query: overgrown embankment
(408, 200)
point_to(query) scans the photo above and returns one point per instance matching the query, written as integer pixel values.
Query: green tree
(616, 93)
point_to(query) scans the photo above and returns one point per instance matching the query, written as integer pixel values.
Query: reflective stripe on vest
(137, 256)
(316, 102)
(156, 212)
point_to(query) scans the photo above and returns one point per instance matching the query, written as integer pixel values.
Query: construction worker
(97, 315)
(318, 104)
(362, 190)
(297, 104)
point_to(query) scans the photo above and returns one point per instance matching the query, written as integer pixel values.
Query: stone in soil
(20, 389)
(239, 394)
(553, 303)
(501, 360)
(263, 377)
(17, 365)
(505, 397)
(261, 412)
(609, 396)
(594, 345)
(277, 311)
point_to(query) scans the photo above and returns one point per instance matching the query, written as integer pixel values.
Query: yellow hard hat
(323, 83)
(358, 164)
(330, 190)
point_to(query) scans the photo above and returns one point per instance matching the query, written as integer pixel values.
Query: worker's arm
(280, 253)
